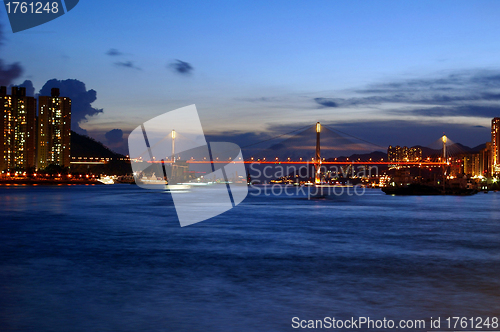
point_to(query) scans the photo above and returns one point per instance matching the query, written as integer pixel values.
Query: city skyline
(271, 68)
(336, 163)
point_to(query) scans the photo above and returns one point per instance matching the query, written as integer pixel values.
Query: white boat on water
(177, 187)
(153, 181)
(160, 184)
(106, 180)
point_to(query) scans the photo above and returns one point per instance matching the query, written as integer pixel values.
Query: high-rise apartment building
(18, 130)
(54, 130)
(495, 145)
(397, 153)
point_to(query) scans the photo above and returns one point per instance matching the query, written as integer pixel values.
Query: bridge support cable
(359, 139)
(278, 136)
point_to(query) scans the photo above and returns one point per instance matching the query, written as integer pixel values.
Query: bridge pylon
(317, 159)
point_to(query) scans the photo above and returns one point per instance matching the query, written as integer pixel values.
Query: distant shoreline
(37, 182)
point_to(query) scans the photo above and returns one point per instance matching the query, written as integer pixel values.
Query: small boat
(106, 180)
(177, 187)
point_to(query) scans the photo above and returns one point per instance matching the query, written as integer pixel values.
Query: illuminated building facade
(397, 153)
(54, 130)
(18, 130)
(485, 160)
(479, 164)
(495, 145)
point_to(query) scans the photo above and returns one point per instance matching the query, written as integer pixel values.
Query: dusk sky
(390, 72)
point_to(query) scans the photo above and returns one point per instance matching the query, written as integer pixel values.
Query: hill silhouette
(84, 146)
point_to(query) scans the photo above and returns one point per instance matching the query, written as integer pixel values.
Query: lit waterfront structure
(495, 145)
(18, 130)
(486, 163)
(398, 154)
(445, 140)
(480, 163)
(485, 160)
(317, 161)
(54, 130)
(173, 146)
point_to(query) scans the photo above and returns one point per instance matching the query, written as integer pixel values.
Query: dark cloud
(81, 100)
(465, 110)
(449, 82)
(408, 98)
(262, 99)
(410, 133)
(114, 139)
(30, 89)
(114, 136)
(487, 79)
(114, 52)
(127, 64)
(490, 96)
(181, 67)
(8, 73)
(326, 102)
(463, 93)
(349, 102)
(459, 81)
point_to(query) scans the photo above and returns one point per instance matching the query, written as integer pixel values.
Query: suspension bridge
(307, 145)
(437, 160)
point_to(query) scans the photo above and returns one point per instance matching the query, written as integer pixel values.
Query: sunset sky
(390, 72)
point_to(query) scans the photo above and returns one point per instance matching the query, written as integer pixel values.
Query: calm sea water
(113, 258)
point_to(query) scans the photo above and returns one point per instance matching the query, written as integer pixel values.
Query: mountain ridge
(85, 146)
